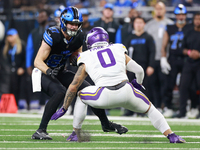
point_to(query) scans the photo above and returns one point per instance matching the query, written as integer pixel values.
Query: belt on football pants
(118, 86)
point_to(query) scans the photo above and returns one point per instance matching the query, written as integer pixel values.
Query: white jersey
(106, 66)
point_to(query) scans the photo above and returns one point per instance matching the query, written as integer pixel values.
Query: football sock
(157, 119)
(101, 114)
(51, 108)
(80, 110)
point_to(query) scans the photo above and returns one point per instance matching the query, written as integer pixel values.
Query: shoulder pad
(51, 35)
(82, 58)
(121, 47)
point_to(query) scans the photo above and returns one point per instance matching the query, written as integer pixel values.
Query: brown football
(74, 54)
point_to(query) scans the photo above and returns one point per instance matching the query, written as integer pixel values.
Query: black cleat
(113, 127)
(41, 135)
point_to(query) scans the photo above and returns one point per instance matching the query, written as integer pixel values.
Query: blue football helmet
(70, 15)
(180, 9)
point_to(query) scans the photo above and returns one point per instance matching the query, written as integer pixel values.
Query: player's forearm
(40, 65)
(163, 52)
(73, 88)
(70, 95)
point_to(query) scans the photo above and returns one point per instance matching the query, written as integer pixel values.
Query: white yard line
(113, 135)
(129, 131)
(108, 142)
(137, 148)
(136, 122)
(95, 117)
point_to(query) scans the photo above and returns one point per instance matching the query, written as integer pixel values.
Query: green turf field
(16, 131)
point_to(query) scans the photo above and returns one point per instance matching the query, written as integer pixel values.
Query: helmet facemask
(68, 31)
(181, 21)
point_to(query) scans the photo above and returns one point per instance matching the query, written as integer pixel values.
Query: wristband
(49, 71)
(188, 52)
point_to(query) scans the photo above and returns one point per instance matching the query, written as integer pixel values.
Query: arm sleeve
(132, 66)
(29, 51)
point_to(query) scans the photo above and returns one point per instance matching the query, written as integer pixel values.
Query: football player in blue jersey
(49, 76)
(173, 65)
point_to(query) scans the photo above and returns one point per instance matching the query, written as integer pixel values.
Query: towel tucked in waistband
(36, 80)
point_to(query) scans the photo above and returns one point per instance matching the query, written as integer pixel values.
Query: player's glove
(136, 85)
(53, 72)
(59, 113)
(165, 66)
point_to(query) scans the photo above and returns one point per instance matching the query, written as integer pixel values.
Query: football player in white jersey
(106, 64)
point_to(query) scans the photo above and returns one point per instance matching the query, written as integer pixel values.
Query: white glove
(165, 66)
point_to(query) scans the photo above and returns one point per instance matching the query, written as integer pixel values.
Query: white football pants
(127, 97)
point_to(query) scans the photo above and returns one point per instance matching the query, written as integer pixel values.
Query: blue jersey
(61, 48)
(176, 36)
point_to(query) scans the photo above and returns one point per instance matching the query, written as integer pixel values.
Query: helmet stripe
(76, 14)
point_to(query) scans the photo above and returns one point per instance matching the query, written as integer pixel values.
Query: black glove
(53, 72)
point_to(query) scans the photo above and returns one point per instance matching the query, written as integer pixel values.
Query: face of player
(72, 29)
(160, 10)
(139, 24)
(181, 18)
(108, 13)
(197, 21)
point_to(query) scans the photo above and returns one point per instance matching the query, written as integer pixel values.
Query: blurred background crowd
(143, 26)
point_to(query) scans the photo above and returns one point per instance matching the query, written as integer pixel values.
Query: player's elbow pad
(132, 66)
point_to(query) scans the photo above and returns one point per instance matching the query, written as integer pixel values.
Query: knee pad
(157, 119)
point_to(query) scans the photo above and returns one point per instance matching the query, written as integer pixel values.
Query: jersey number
(55, 60)
(175, 39)
(102, 54)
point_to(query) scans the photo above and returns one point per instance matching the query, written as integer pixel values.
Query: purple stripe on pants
(91, 96)
(140, 95)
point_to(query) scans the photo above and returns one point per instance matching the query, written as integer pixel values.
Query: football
(73, 58)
